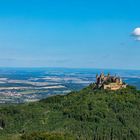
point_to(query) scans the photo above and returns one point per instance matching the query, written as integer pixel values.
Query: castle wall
(114, 86)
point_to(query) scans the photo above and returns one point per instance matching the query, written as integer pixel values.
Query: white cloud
(136, 33)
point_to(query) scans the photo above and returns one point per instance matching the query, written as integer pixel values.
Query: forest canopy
(83, 115)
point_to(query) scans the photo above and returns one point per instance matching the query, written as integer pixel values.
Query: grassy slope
(88, 114)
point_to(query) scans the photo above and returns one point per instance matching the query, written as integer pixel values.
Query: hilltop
(87, 114)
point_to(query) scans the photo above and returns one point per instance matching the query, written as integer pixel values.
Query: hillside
(85, 115)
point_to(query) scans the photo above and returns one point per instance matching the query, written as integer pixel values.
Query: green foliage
(87, 114)
(46, 136)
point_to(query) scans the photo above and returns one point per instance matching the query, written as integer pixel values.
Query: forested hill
(85, 115)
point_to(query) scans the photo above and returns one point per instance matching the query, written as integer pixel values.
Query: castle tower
(102, 75)
(121, 81)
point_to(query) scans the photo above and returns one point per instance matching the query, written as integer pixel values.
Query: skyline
(81, 34)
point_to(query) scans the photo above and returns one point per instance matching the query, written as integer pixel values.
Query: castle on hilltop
(109, 82)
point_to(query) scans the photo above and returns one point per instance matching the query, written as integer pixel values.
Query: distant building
(109, 82)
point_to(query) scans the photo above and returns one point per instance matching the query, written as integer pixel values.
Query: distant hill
(85, 115)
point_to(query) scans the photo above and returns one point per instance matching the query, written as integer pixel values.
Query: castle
(109, 82)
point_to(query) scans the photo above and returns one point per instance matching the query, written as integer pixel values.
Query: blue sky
(69, 33)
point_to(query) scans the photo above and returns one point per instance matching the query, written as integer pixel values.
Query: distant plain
(19, 85)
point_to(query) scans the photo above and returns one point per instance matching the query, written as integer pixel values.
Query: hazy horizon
(45, 67)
